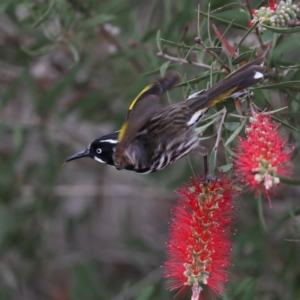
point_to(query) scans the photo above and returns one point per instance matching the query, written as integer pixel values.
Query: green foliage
(68, 71)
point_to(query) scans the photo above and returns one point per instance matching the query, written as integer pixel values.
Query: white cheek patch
(109, 141)
(99, 160)
(258, 75)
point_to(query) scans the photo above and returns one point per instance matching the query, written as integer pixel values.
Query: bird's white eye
(99, 150)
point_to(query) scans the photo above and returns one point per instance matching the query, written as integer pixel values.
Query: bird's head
(101, 149)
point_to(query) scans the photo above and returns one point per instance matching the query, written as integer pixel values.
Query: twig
(219, 135)
(256, 29)
(199, 41)
(253, 112)
(184, 32)
(205, 165)
(181, 60)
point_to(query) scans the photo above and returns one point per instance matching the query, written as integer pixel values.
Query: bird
(151, 139)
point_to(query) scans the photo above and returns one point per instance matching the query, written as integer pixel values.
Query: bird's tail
(236, 81)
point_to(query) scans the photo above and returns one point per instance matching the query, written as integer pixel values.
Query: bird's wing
(142, 109)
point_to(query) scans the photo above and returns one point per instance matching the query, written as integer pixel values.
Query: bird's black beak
(84, 153)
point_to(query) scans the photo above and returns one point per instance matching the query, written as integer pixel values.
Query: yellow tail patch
(222, 97)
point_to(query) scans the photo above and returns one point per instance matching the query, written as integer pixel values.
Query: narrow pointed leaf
(243, 57)
(158, 40)
(224, 21)
(211, 162)
(225, 168)
(286, 30)
(198, 79)
(98, 20)
(289, 181)
(235, 133)
(284, 123)
(281, 85)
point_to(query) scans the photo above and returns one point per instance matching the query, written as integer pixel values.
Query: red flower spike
(262, 156)
(253, 11)
(250, 24)
(273, 5)
(200, 246)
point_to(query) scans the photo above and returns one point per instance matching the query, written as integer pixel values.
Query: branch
(181, 60)
(219, 135)
(200, 42)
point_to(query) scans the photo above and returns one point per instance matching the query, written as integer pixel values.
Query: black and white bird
(150, 140)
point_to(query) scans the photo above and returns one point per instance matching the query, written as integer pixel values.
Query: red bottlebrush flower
(273, 5)
(200, 246)
(253, 11)
(250, 24)
(262, 155)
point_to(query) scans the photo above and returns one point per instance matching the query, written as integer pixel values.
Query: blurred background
(68, 72)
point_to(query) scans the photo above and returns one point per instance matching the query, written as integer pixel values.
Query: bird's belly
(153, 153)
(171, 149)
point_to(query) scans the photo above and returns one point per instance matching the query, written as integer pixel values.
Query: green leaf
(244, 36)
(237, 116)
(294, 241)
(284, 123)
(290, 67)
(211, 162)
(183, 46)
(74, 52)
(260, 99)
(164, 68)
(213, 17)
(231, 126)
(205, 137)
(291, 114)
(243, 57)
(274, 111)
(235, 133)
(230, 151)
(40, 51)
(100, 19)
(286, 30)
(238, 188)
(198, 79)
(66, 12)
(213, 115)
(203, 127)
(225, 168)
(289, 181)
(45, 15)
(146, 293)
(214, 49)
(281, 85)
(227, 7)
(158, 40)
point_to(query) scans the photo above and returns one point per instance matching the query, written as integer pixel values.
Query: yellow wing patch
(139, 95)
(125, 125)
(122, 131)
